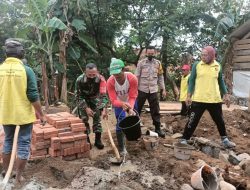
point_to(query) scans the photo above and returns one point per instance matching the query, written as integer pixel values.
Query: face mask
(91, 80)
(150, 57)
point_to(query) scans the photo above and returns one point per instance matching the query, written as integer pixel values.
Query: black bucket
(130, 126)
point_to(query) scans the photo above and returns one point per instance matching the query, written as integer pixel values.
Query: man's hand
(188, 100)
(226, 99)
(126, 106)
(89, 112)
(105, 113)
(164, 94)
(131, 112)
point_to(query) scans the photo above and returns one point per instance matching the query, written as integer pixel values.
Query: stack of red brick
(63, 135)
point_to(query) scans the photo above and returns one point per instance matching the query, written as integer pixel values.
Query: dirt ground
(143, 169)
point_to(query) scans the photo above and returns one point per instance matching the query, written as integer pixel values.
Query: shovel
(118, 161)
(12, 159)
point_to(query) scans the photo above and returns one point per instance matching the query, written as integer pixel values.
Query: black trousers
(197, 110)
(153, 105)
(185, 110)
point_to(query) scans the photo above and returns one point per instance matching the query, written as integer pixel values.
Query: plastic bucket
(151, 143)
(204, 179)
(130, 126)
(182, 151)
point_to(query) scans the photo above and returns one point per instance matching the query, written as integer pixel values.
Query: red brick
(76, 125)
(47, 125)
(54, 153)
(50, 136)
(50, 132)
(64, 122)
(39, 146)
(77, 149)
(67, 145)
(32, 157)
(68, 151)
(82, 148)
(37, 121)
(52, 118)
(64, 114)
(74, 120)
(37, 131)
(39, 152)
(79, 129)
(65, 134)
(67, 139)
(83, 155)
(69, 157)
(55, 140)
(80, 137)
(65, 129)
(56, 146)
(87, 147)
(37, 138)
(80, 143)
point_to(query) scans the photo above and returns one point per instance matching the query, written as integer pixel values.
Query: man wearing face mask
(92, 100)
(150, 74)
(204, 93)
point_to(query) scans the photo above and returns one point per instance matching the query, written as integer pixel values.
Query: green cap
(116, 66)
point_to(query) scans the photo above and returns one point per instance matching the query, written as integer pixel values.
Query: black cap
(91, 66)
(14, 48)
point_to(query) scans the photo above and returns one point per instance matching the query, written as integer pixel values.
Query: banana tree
(44, 26)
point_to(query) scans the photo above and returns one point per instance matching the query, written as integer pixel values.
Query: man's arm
(133, 90)
(191, 80)
(79, 99)
(32, 92)
(222, 85)
(161, 81)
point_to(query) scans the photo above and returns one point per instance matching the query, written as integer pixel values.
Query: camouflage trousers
(97, 127)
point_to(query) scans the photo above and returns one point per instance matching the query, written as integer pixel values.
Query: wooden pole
(249, 102)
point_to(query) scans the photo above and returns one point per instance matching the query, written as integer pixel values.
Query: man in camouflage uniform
(92, 100)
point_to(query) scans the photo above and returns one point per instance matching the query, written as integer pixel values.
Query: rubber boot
(159, 131)
(98, 141)
(20, 165)
(121, 143)
(6, 162)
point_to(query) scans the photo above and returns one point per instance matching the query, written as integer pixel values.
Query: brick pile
(63, 136)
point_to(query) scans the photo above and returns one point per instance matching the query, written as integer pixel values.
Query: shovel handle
(117, 155)
(12, 158)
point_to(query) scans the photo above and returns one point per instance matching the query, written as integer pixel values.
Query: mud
(158, 169)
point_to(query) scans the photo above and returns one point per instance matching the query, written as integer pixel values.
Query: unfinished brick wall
(63, 135)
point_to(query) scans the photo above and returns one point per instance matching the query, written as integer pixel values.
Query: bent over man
(92, 100)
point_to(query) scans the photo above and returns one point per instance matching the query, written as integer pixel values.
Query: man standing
(92, 100)
(184, 89)
(122, 89)
(19, 100)
(150, 74)
(205, 87)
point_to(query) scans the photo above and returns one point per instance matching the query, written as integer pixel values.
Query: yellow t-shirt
(15, 108)
(184, 87)
(207, 88)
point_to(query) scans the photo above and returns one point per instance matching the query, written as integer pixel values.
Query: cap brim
(115, 71)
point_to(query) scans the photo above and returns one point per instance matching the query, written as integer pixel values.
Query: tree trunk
(62, 60)
(44, 83)
(167, 77)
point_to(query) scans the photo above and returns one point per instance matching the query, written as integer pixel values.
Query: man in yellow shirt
(19, 100)
(184, 89)
(205, 88)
